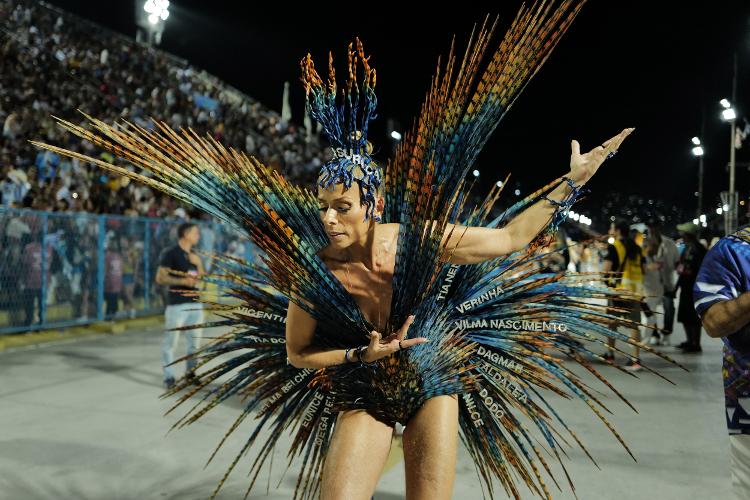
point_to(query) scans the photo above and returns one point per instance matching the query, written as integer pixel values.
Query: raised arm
(471, 245)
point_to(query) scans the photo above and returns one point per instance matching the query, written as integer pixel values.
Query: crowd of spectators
(53, 63)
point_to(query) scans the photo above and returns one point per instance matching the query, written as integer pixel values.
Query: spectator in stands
(31, 292)
(46, 166)
(14, 188)
(129, 262)
(111, 77)
(113, 276)
(11, 127)
(15, 237)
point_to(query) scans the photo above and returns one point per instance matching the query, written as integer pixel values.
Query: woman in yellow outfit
(625, 258)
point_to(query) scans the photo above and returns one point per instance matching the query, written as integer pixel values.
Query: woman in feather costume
(382, 298)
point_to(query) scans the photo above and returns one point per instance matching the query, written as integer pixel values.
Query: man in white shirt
(668, 255)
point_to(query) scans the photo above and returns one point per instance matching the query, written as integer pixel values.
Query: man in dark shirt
(182, 306)
(687, 271)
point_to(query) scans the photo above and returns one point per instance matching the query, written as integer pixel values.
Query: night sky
(659, 69)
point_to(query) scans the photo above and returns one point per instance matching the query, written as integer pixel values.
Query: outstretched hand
(584, 166)
(381, 347)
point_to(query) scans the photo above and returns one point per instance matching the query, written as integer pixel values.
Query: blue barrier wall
(64, 269)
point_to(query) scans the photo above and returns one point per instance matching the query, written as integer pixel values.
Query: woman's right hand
(381, 347)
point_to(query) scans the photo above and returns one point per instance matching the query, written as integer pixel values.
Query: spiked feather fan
(494, 327)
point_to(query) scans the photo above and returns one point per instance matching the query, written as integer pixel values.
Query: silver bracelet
(360, 352)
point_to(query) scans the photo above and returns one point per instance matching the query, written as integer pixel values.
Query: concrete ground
(83, 420)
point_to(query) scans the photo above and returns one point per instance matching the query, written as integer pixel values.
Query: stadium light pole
(728, 114)
(151, 16)
(699, 152)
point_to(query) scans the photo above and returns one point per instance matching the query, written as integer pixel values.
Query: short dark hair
(632, 250)
(622, 226)
(184, 228)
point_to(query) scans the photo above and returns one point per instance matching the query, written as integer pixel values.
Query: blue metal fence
(64, 269)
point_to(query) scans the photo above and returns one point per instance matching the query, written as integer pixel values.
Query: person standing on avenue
(653, 287)
(624, 263)
(722, 299)
(669, 256)
(687, 270)
(183, 308)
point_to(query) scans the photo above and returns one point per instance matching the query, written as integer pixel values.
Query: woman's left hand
(584, 166)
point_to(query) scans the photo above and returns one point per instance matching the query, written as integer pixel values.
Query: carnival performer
(382, 297)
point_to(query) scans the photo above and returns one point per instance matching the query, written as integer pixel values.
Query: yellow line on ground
(43, 336)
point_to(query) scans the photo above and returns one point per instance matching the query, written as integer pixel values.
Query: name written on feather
(447, 282)
(254, 313)
(286, 388)
(499, 359)
(471, 406)
(511, 324)
(324, 420)
(489, 295)
(491, 405)
(508, 385)
(311, 409)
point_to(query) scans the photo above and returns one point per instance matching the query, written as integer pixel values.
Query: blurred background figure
(183, 308)
(624, 259)
(653, 288)
(687, 269)
(668, 255)
(113, 277)
(129, 263)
